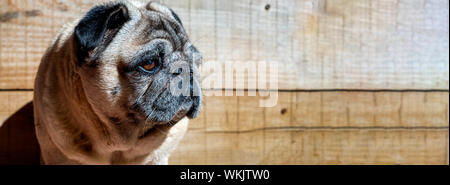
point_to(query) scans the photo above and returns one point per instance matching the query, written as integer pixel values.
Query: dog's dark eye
(151, 65)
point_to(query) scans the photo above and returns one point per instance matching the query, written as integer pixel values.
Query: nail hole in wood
(283, 111)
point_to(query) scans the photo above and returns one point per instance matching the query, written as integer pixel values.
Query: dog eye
(150, 65)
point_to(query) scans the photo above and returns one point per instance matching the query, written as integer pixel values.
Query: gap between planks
(296, 90)
(300, 129)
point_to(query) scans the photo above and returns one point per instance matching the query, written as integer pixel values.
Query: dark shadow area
(18, 143)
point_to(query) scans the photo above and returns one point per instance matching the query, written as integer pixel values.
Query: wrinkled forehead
(151, 6)
(155, 21)
(150, 25)
(137, 7)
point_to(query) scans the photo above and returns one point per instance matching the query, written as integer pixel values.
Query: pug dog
(117, 86)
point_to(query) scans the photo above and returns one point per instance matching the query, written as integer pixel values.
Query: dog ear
(98, 27)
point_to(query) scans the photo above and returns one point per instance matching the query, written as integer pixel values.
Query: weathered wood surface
(327, 109)
(307, 128)
(314, 147)
(10, 102)
(319, 44)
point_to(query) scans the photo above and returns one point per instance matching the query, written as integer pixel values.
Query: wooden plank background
(362, 82)
(319, 44)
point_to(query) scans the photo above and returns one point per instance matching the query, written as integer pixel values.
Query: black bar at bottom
(231, 174)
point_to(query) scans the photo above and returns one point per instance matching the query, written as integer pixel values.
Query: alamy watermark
(229, 78)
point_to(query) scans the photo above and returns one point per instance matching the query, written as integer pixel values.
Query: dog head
(137, 66)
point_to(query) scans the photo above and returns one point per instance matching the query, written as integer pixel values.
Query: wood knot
(283, 111)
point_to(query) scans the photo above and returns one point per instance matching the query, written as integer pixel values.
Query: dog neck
(60, 95)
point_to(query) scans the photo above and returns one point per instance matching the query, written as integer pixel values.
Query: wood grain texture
(10, 102)
(314, 147)
(306, 128)
(327, 110)
(319, 44)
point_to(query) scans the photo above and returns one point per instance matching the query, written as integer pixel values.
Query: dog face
(137, 66)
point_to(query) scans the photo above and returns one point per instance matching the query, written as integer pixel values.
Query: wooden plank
(314, 128)
(26, 29)
(10, 102)
(305, 109)
(319, 44)
(314, 147)
(203, 38)
(328, 109)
